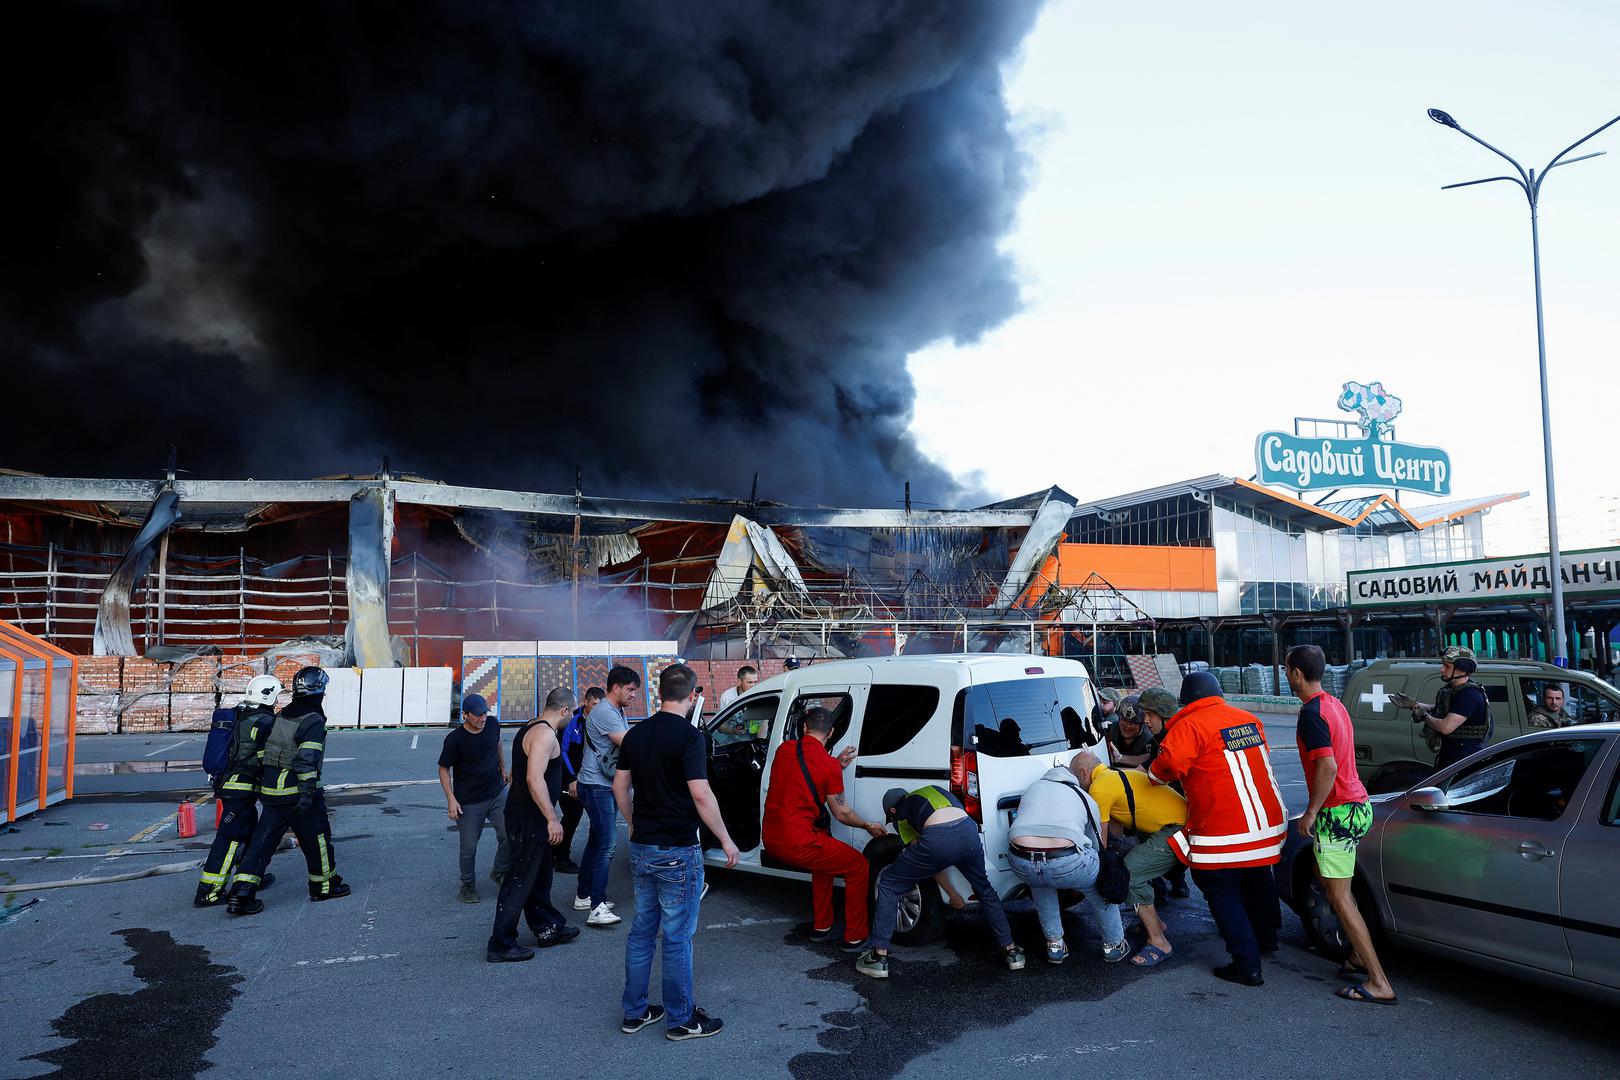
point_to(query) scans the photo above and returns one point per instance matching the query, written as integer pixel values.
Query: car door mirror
(1427, 798)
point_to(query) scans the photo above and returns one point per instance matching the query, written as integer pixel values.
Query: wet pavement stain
(927, 1004)
(159, 1032)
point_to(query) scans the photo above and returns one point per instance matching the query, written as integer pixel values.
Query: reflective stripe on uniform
(248, 879)
(236, 785)
(312, 746)
(324, 878)
(308, 775)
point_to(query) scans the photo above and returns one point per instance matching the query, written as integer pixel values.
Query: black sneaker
(508, 956)
(855, 946)
(633, 1024)
(821, 937)
(701, 1026)
(555, 935)
(1231, 974)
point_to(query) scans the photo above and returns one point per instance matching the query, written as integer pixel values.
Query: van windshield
(1027, 716)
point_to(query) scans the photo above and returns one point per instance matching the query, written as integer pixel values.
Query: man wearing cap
(938, 835)
(1130, 744)
(1236, 819)
(1102, 714)
(1461, 714)
(472, 772)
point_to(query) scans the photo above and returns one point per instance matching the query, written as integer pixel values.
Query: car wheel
(1316, 914)
(921, 914)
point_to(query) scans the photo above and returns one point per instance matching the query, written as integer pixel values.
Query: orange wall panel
(1130, 567)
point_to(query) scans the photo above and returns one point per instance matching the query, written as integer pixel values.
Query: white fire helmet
(263, 690)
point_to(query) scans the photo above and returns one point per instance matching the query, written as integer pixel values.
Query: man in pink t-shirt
(1338, 815)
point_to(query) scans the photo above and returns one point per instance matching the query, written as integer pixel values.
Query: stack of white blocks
(388, 697)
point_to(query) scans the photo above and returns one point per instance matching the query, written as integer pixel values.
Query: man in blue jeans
(1056, 843)
(662, 789)
(605, 729)
(939, 836)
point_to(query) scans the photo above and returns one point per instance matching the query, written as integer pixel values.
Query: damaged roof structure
(401, 569)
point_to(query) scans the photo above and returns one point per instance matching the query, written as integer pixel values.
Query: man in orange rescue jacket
(1236, 820)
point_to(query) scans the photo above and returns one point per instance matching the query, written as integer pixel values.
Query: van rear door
(1011, 732)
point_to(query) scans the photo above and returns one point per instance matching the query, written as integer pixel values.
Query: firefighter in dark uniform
(1459, 722)
(290, 792)
(237, 789)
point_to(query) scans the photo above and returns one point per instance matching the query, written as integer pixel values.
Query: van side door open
(737, 739)
(846, 701)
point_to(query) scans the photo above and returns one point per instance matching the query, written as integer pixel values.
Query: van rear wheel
(921, 914)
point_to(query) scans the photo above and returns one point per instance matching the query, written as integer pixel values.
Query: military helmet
(1461, 659)
(309, 682)
(1108, 693)
(1130, 708)
(1160, 701)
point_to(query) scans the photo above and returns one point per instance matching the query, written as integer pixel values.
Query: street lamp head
(1440, 116)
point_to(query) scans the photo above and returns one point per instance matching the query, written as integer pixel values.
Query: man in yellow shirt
(1152, 813)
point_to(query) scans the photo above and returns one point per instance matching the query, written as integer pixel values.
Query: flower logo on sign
(1378, 407)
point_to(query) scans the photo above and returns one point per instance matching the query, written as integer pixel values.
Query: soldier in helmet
(290, 791)
(1460, 718)
(236, 787)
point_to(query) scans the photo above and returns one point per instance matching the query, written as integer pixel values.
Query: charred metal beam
(25, 489)
(371, 538)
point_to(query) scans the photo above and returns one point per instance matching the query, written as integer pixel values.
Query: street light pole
(1530, 183)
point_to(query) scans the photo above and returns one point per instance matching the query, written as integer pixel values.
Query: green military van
(1391, 752)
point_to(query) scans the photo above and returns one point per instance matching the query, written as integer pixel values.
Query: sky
(1236, 208)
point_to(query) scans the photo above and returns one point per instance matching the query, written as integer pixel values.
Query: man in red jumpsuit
(806, 791)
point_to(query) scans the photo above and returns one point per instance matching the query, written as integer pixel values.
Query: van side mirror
(1427, 798)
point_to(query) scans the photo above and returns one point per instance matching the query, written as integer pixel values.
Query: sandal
(1358, 992)
(1149, 956)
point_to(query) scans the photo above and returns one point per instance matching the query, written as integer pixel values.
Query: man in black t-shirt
(472, 771)
(662, 790)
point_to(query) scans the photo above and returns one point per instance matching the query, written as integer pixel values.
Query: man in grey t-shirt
(604, 731)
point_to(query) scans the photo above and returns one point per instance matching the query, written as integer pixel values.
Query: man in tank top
(533, 827)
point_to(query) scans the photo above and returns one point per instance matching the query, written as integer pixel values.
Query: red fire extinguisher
(186, 821)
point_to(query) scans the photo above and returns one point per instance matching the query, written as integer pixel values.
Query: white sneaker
(582, 903)
(602, 915)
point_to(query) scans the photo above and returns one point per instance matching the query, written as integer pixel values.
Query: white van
(983, 726)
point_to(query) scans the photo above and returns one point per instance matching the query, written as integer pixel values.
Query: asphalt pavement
(127, 979)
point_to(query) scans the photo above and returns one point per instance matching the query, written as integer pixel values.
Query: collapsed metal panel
(371, 539)
(113, 633)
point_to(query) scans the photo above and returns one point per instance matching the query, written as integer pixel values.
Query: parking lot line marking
(418, 735)
(171, 746)
(345, 959)
(740, 923)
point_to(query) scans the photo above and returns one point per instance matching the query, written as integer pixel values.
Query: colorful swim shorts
(1337, 831)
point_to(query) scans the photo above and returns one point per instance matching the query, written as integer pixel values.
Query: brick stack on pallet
(133, 695)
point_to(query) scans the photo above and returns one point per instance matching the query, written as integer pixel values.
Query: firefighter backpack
(217, 751)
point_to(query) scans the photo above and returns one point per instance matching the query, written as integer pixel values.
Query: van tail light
(965, 781)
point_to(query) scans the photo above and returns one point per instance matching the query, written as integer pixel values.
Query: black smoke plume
(673, 243)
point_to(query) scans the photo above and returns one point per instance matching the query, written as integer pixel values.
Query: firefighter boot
(241, 901)
(335, 888)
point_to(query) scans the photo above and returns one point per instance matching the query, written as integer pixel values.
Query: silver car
(1509, 860)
